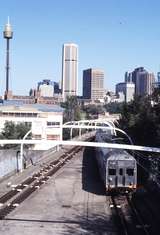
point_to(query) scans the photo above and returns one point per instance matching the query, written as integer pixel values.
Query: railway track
(116, 204)
(127, 218)
(142, 226)
(12, 199)
(153, 214)
(149, 208)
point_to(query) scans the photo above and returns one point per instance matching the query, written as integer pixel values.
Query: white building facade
(127, 89)
(45, 121)
(129, 92)
(69, 70)
(46, 90)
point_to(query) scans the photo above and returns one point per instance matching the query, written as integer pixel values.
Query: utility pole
(7, 34)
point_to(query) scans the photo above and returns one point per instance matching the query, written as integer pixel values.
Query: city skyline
(116, 37)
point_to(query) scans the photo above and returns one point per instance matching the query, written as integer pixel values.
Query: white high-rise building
(69, 70)
(130, 91)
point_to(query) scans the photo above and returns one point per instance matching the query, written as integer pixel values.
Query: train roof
(103, 134)
(107, 136)
(120, 155)
(111, 153)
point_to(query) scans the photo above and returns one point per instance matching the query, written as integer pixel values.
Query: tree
(156, 95)
(93, 110)
(72, 109)
(140, 119)
(71, 113)
(14, 131)
(9, 131)
(113, 107)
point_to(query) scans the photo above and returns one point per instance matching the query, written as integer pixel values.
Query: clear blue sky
(115, 35)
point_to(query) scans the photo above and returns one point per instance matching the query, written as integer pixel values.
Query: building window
(53, 123)
(18, 114)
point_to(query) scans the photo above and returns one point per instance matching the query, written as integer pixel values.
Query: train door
(130, 173)
(121, 176)
(130, 179)
(112, 177)
(121, 173)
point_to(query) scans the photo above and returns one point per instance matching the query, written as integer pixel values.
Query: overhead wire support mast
(7, 34)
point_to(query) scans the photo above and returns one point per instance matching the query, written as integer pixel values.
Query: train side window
(120, 171)
(130, 171)
(112, 171)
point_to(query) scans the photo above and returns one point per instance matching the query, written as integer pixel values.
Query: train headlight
(110, 179)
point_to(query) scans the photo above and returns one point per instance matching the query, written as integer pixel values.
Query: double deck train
(117, 168)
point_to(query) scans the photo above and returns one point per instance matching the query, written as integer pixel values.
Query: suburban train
(117, 168)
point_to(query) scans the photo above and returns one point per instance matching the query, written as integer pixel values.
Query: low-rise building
(45, 120)
(35, 98)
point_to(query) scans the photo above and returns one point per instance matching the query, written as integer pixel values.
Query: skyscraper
(157, 84)
(145, 84)
(93, 84)
(144, 81)
(69, 70)
(158, 77)
(128, 77)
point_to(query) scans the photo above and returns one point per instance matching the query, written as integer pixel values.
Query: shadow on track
(91, 181)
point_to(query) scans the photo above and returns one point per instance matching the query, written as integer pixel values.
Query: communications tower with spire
(8, 34)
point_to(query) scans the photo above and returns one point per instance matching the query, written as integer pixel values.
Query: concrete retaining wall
(9, 160)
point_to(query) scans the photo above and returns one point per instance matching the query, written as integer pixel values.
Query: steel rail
(119, 216)
(137, 216)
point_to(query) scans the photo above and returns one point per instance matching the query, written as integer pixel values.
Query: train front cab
(121, 175)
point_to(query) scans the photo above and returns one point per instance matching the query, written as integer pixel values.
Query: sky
(113, 35)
